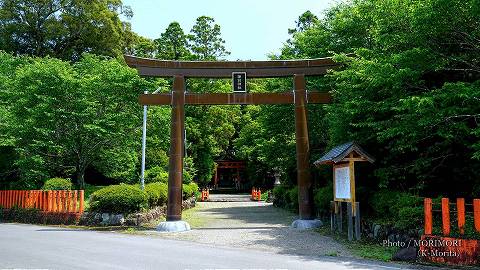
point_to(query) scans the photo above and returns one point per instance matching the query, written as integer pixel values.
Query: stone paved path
(255, 225)
(229, 198)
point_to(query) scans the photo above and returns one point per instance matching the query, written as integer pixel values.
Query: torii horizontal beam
(234, 98)
(223, 69)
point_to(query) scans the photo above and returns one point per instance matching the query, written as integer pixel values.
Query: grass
(363, 248)
(193, 218)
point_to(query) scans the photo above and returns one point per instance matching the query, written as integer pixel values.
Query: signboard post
(239, 80)
(343, 158)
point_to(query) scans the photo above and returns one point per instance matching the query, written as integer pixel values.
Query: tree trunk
(80, 178)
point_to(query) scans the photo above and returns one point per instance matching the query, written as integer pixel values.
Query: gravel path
(256, 225)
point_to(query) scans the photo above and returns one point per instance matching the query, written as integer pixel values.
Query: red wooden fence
(205, 194)
(463, 251)
(57, 201)
(256, 194)
(460, 206)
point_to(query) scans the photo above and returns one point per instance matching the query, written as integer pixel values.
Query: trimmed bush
(189, 190)
(58, 184)
(156, 174)
(157, 194)
(118, 199)
(35, 216)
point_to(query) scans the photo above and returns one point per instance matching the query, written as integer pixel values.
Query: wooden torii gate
(178, 98)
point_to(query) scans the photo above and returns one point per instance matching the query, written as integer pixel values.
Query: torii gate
(178, 98)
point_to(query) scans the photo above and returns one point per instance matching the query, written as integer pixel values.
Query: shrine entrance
(229, 175)
(179, 97)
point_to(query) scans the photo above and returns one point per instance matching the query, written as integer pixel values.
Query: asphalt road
(42, 247)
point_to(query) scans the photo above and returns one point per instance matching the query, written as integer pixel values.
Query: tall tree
(304, 22)
(62, 28)
(172, 43)
(410, 95)
(67, 117)
(134, 44)
(205, 40)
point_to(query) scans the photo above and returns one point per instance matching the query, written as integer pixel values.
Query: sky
(252, 29)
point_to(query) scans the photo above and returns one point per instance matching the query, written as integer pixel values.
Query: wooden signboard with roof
(343, 158)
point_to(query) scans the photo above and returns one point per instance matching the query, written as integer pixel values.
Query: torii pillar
(304, 180)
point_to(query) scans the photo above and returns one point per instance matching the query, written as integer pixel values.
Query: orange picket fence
(55, 201)
(256, 194)
(452, 250)
(445, 209)
(205, 194)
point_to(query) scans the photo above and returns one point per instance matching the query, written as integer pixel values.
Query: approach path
(254, 225)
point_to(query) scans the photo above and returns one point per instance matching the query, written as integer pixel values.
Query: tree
(210, 129)
(62, 29)
(134, 44)
(400, 96)
(172, 43)
(305, 21)
(67, 117)
(205, 40)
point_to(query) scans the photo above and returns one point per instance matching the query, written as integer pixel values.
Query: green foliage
(205, 41)
(157, 194)
(8, 176)
(279, 195)
(189, 190)
(172, 43)
(265, 195)
(156, 174)
(58, 184)
(293, 198)
(403, 210)
(66, 117)
(399, 96)
(90, 189)
(286, 197)
(17, 214)
(189, 170)
(35, 216)
(62, 29)
(209, 129)
(322, 198)
(118, 199)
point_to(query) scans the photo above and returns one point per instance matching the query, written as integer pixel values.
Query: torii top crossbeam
(224, 69)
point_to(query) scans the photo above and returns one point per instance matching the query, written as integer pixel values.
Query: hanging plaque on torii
(178, 98)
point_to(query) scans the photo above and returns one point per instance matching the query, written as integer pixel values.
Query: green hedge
(403, 210)
(189, 190)
(157, 194)
(35, 216)
(119, 199)
(57, 184)
(156, 174)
